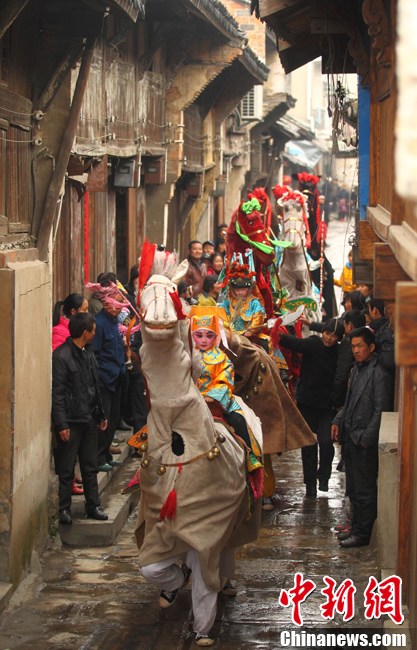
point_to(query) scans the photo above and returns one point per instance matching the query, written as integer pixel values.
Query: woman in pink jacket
(63, 311)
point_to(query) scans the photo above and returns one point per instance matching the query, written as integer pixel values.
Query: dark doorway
(121, 236)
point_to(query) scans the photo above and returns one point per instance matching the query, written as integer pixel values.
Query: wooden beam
(326, 26)
(98, 176)
(387, 272)
(362, 271)
(406, 324)
(268, 7)
(9, 14)
(367, 239)
(55, 185)
(58, 76)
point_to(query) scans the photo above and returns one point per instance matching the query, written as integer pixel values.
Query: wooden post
(64, 151)
(406, 356)
(9, 14)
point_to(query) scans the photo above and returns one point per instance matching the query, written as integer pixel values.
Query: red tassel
(146, 261)
(169, 508)
(256, 480)
(178, 305)
(276, 333)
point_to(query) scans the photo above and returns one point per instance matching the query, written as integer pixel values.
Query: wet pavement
(95, 598)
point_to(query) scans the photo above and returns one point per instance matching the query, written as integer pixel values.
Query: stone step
(89, 532)
(6, 591)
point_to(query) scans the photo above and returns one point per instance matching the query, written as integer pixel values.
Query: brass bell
(143, 446)
(259, 379)
(143, 435)
(262, 367)
(221, 438)
(161, 470)
(255, 390)
(216, 450)
(211, 455)
(145, 463)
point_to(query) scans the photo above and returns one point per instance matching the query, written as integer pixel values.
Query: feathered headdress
(239, 275)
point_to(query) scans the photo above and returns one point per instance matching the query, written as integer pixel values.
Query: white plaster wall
(32, 393)
(406, 119)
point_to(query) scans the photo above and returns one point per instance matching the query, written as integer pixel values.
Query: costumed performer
(216, 380)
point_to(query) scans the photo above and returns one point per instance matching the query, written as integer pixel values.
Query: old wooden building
(114, 125)
(376, 39)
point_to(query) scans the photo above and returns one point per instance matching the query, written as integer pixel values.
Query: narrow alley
(95, 598)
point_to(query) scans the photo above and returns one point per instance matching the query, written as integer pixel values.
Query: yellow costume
(346, 280)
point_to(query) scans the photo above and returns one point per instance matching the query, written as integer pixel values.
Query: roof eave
(217, 14)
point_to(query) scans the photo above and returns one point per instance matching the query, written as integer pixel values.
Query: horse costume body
(294, 271)
(188, 456)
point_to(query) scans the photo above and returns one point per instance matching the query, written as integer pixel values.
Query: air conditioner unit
(251, 106)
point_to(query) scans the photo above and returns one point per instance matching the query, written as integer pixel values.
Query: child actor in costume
(216, 380)
(246, 314)
(243, 306)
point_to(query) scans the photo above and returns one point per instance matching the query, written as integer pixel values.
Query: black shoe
(340, 465)
(311, 490)
(65, 517)
(354, 540)
(323, 485)
(166, 598)
(229, 589)
(123, 426)
(105, 467)
(97, 513)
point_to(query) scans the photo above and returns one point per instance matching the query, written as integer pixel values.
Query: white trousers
(169, 576)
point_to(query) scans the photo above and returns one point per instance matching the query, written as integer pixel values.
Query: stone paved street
(95, 599)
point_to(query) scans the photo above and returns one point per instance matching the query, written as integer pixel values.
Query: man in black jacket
(313, 394)
(357, 427)
(345, 359)
(76, 410)
(384, 335)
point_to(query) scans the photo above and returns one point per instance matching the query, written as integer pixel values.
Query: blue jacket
(109, 351)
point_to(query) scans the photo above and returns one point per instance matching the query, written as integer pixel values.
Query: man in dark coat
(197, 270)
(357, 427)
(345, 359)
(76, 411)
(313, 394)
(109, 351)
(384, 334)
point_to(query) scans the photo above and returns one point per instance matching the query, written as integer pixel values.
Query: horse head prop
(294, 217)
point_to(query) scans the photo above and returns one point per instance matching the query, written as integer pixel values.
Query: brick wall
(255, 30)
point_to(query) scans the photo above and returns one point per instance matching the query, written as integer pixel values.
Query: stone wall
(25, 438)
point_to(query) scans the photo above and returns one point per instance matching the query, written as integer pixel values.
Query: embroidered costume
(216, 382)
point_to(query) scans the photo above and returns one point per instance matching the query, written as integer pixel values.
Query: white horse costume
(294, 272)
(190, 461)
